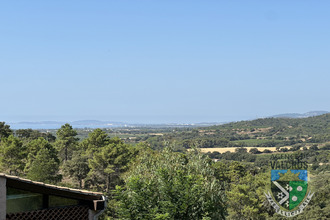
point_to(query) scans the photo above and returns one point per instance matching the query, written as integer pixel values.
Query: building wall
(3, 194)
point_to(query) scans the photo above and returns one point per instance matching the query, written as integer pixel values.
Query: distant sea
(58, 125)
(141, 122)
(27, 126)
(48, 126)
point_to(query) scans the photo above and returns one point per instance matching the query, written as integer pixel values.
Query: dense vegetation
(149, 174)
(267, 132)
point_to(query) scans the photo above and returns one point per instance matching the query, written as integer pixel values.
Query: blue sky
(162, 61)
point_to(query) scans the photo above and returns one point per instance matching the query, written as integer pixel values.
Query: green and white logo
(289, 191)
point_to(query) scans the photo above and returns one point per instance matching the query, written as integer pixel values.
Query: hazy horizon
(144, 120)
(133, 119)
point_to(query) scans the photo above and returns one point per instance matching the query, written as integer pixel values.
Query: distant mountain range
(297, 115)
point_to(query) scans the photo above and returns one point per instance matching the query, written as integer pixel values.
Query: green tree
(24, 133)
(107, 164)
(241, 150)
(314, 147)
(95, 142)
(34, 146)
(77, 167)
(254, 151)
(44, 168)
(171, 185)
(5, 130)
(246, 198)
(31, 134)
(12, 155)
(66, 141)
(284, 149)
(267, 151)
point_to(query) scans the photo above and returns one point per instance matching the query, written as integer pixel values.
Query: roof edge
(51, 187)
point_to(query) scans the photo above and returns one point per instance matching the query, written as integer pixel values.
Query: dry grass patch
(232, 149)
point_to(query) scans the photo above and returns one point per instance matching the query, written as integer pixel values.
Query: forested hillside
(267, 132)
(318, 124)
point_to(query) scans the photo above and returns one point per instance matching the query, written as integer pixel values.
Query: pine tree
(5, 130)
(107, 164)
(77, 167)
(44, 168)
(12, 155)
(95, 142)
(34, 146)
(66, 141)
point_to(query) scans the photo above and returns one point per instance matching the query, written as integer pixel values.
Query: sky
(162, 61)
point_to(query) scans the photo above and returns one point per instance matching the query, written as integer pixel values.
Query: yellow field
(232, 149)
